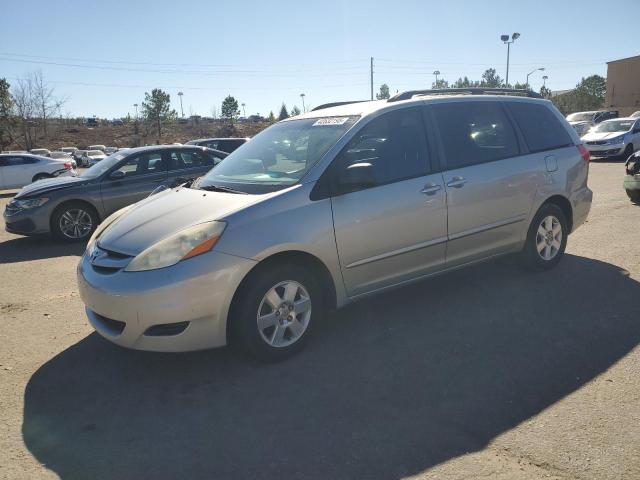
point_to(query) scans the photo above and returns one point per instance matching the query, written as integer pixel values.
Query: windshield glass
(102, 166)
(580, 117)
(614, 126)
(279, 156)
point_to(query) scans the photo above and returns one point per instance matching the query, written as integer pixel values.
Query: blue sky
(103, 56)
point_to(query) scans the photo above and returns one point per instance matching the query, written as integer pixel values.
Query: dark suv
(225, 144)
(70, 208)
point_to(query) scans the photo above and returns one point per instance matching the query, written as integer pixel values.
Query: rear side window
(474, 132)
(394, 144)
(540, 127)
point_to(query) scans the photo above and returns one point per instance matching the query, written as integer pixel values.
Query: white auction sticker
(331, 121)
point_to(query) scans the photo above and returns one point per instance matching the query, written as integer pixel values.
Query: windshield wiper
(217, 188)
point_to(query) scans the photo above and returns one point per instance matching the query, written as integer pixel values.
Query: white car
(43, 152)
(635, 114)
(102, 148)
(18, 170)
(69, 150)
(613, 138)
(91, 157)
(583, 121)
(58, 155)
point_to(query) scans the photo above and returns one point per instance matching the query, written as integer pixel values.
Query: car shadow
(389, 387)
(25, 249)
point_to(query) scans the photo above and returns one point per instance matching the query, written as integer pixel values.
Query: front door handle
(457, 182)
(430, 189)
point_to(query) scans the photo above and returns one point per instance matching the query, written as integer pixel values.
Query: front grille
(21, 226)
(597, 142)
(108, 261)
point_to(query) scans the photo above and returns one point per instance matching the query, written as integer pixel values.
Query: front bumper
(148, 310)
(33, 221)
(605, 150)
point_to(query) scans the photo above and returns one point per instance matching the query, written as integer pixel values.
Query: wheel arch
(565, 205)
(76, 201)
(296, 257)
(41, 174)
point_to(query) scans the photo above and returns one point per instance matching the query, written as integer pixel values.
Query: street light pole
(244, 114)
(436, 73)
(181, 109)
(136, 107)
(505, 39)
(541, 69)
(544, 80)
(302, 97)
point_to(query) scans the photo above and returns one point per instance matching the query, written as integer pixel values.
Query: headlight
(614, 140)
(29, 203)
(185, 244)
(107, 221)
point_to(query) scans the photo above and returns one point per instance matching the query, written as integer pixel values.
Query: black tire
(531, 257)
(634, 196)
(74, 209)
(41, 176)
(627, 152)
(243, 323)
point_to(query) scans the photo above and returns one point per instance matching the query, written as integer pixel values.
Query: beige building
(623, 85)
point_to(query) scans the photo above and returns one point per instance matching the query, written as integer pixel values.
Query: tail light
(584, 153)
(68, 165)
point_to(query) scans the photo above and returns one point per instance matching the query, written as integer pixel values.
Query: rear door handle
(457, 182)
(430, 189)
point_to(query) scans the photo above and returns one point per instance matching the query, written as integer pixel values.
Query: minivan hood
(591, 136)
(166, 213)
(48, 185)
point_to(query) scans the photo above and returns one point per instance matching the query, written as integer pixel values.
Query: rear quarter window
(541, 128)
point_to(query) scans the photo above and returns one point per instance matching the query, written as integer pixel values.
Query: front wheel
(275, 311)
(73, 222)
(546, 238)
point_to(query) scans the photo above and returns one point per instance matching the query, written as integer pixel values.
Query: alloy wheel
(549, 237)
(75, 223)
(284, 313)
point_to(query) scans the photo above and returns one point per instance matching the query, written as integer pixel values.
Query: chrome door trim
(400, 251)
(490, 226)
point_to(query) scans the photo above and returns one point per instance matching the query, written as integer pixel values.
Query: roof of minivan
(366, 107)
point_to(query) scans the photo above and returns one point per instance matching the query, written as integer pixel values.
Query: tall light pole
(181, 109)
(244, 114)
(436, 73)
(541, 69)
(371, 72)
(136, 107)
(302, 97)
(505, 39)
(544, 80)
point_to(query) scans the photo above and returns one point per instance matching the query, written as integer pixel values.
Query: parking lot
(486, 372)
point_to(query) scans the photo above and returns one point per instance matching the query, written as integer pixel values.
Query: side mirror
(117, 175)
(356, 177)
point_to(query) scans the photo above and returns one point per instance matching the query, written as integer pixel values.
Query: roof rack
(470, 91)
(336, 104)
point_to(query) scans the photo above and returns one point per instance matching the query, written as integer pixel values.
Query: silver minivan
(332, 205)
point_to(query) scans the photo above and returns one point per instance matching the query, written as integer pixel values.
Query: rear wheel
(74, 222)
(274, 312)
(546, 239)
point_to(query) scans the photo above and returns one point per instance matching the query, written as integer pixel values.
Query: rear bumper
(581, 205)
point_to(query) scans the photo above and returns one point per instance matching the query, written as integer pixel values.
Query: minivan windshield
(614, 126)
(102, 166)
(278, 156)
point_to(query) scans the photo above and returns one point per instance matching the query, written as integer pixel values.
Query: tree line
(588, 94)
